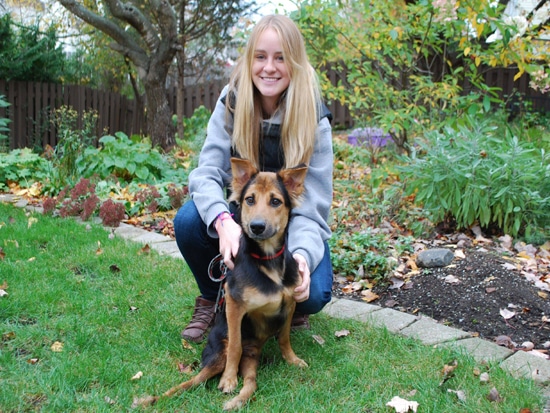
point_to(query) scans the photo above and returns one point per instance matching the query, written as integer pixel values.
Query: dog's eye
(276, 202)
(249, 200)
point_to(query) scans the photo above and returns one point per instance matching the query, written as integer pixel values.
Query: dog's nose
(257, 227)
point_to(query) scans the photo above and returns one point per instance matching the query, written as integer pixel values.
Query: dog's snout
(257, 227)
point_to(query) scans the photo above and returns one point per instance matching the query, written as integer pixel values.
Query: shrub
(127, 160)
(111, 213)
(22, 166)
(82, 201)
(360, 254)
(477, 173)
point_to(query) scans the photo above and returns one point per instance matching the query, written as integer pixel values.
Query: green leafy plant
(72, 141)
(23, 167)
(477, 172)
(127, 160)
(360, 254)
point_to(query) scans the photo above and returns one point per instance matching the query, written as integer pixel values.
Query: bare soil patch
(470, 294)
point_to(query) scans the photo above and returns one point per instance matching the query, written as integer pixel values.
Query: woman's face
(269, 70)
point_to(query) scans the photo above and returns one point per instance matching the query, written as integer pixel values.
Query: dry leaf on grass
(57, 347)
(401, 405)
(342, 333)
(137, 376)
(459, 393)
(320, 340)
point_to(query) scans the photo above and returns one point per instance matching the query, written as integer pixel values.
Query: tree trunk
(180, 94)
(159, 114)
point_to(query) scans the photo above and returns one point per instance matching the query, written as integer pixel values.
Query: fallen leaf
(448, 371)
(320, 340)
(506, 314)
(2, 254)
(459, 393)
(396, 283)
(34, 360)
(525, 410)
(145, 250)
(490, 290)
(185, 344)
(494, 396)
(451, 279)
(137, 376)
(484, 377)
(342, 333)
(3, 293)
(57, 347)
(369, 296)
(401, 405)
(505, 341)
(460, 254)
(526, 346)
(31, 222)
(108, 400)
(10, 335)
(185, 368)
(542, 294)
(132, 308)
(114, 268)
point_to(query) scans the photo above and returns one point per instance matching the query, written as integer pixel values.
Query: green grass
(61, 290)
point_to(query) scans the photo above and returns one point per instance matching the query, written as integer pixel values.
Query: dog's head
(265, 198)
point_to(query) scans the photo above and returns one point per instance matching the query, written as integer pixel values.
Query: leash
(223, 270)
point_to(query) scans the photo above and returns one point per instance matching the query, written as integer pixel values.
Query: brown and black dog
(259, 291)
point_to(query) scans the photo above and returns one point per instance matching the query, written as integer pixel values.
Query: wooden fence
(32, 105)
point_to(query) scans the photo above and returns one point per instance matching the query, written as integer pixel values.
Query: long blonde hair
(299, 105)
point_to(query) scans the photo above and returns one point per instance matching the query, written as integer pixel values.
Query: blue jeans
(198, 249)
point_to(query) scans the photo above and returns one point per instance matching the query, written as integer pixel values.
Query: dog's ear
(293, 179)
(243, 170)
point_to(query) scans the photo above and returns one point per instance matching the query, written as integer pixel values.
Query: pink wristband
(223, 215)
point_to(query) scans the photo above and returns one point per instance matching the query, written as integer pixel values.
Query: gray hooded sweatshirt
(308, 226)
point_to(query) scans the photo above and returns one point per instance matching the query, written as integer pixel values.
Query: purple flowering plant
(372, 138)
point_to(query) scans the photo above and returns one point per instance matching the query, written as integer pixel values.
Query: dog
(259, 301)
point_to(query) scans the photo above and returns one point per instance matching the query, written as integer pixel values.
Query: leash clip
(223, 270)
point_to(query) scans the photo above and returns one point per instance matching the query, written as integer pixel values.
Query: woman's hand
(301, 293)
(229, 233)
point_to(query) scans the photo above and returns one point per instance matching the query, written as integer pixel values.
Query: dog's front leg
(284, 344)
(235, 314)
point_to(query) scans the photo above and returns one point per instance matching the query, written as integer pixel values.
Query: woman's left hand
(301, 293)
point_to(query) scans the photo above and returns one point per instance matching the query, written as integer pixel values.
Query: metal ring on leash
(222, 268)
(220, 300)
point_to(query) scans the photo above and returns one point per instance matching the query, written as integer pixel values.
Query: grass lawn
(85, 312)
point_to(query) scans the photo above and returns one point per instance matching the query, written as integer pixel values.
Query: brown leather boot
(300, 321)
(202, 320)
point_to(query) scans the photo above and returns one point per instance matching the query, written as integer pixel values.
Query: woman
(272, 114)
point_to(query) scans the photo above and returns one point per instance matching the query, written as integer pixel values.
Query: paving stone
(9, 198)
(523, 364)
(481, 350)
(342, 308)
(393, 320)
(166, 248)
(429, 332)
(139, 235)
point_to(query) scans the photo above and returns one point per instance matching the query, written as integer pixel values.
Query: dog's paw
(144, 401)
(296, 361)
(234, 404)
(228, 384)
